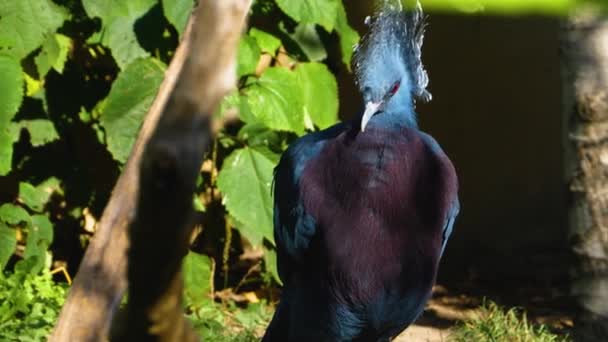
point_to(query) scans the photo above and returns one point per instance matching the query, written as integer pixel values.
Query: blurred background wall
(496, 111)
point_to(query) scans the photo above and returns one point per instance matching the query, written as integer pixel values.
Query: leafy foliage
(22, 34)
(11, 95)
(129, 100)
(29, 304)
(118, 26)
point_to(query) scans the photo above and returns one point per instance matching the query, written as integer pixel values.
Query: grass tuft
(494, 324)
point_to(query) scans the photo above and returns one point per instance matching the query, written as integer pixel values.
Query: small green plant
(29, 303)
(494, 324)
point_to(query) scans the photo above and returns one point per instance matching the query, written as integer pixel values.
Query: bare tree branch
(169, 149)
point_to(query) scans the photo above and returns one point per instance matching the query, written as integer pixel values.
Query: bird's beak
(371, 108)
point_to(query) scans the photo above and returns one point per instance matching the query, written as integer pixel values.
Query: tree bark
(167, 155)
(585, 80)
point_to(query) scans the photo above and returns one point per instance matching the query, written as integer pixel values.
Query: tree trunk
(155, 192)
(585, 80)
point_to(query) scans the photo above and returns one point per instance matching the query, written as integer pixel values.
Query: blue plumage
(363, 209)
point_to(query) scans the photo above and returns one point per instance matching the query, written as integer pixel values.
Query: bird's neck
(395, 116)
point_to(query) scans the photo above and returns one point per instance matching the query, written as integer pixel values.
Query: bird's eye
(395, 88)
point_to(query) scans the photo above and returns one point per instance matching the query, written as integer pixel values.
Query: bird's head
(389, 70)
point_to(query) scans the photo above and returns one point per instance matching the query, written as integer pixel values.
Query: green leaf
(198, 204)
(26, 24)
(270, 261)
(322, 12)
(349, 38)
(267, 42)
(14, 215)
(178, 12)
(11, 95)
(307, 38)
(253, 235)
(8, 243)
(319, 92)
(248, 57)
(198, 279)
(54, 54)
(131, 96)
(118, 31)
(37, 197)
(274, 102)
(39, 238)
(245, 180)
(41, 131)
(257, 134)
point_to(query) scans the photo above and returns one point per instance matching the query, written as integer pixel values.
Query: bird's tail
(398, 25)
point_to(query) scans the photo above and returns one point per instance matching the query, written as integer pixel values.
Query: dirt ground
(459, 302)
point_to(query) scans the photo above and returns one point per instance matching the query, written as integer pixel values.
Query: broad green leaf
(273, 101)
(41, 131)
(39, 238)
(322, 12)
(267, 42)
(349, 38)
(25, 24)
(54, 54)
(14, 215)
(270, 261)
(11, 95)
(248, 57)
(36, 197)
(253, 235)
(130, 98)
(118, 32)
(245, 180)
(319, 92)
(307, 38)
(178, 12)
(8, 243)
(198, 279)
(257, 134)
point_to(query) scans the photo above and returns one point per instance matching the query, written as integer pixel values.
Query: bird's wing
(449, 223)
(294, 228)
(454, 208)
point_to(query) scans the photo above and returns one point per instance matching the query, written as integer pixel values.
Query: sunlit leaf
(244, 181)
(26, 24)
(130, 98)
(39, 238)
(267, 42)
(349, 38)
(178, 12)
(11, 95)
(36, 197)
(322, 12)
(14, 215)
(319, 93)
(41, 131)
(248, 56)
(118, 26)
(198, 279)
(273, 101)
(8, 242)
(54, 54)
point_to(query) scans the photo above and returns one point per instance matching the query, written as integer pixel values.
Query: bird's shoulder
(303, 149)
